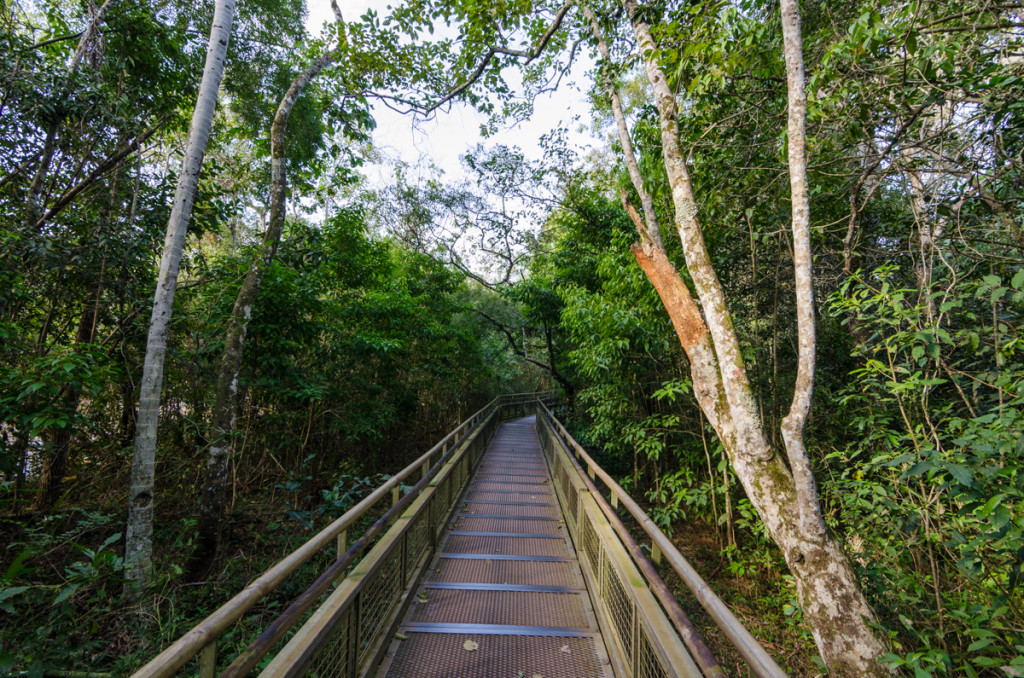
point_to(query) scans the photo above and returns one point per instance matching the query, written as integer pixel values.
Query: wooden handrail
(210, 629)
(701, 653)
(752, 652)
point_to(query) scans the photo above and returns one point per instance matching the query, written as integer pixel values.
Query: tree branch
(494, 51)
(101, 169)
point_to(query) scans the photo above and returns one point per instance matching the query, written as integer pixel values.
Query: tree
(211, 505)
(785, 498)
(139, 530)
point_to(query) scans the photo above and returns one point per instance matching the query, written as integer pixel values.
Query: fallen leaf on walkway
(401, 636)
(565, 649)
(470, 645)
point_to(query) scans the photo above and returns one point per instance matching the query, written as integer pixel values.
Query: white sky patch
(446, 138)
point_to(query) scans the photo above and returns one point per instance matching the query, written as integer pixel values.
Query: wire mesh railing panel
(620, 608)
(417, 541)
(572, 503)
(377, 598)
(442, 502)
(335, 657)
(563, 480)
(589, 542)
(648, 665)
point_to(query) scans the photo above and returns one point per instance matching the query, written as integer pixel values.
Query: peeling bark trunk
(833, 604)
(139, 529)
(212, 498)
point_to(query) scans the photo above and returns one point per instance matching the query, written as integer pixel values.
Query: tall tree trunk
(56, 462)
(139, 530)
(834, 606)
(212, 496)
(793, 424)
(927, 234)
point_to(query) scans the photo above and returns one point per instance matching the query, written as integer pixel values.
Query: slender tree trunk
(622, 127)
(33, 208)
(849, 647)
(570, 390)
(55, 461)
(926, 237)
(213, 495)
(794, 423)
(785, 498)
(139, 531)
(864, 184)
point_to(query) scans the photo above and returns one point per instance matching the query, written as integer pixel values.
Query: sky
(446, 138)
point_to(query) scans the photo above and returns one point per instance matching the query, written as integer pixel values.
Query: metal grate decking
(504, 596)
(473, 572)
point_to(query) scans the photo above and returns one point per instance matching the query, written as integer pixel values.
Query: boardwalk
(472, 572)
(504, 596)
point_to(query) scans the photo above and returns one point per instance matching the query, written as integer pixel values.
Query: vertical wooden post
(208, 660)
(615, 501)
(655, 554)
(396, 494)
(342, 542)
(426, 468)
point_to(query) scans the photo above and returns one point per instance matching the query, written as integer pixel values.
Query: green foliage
(86, 589)
(362, 348)
(933, 489)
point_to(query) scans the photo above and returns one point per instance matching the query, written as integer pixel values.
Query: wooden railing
(340, 625)
(443, 470)
(604, 540)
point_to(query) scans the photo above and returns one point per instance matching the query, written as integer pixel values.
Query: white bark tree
(784, 495)
(139, 530)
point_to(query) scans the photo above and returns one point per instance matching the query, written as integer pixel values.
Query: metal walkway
(504, 596)
(503, 554)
